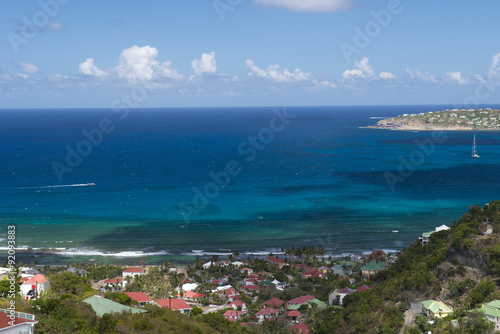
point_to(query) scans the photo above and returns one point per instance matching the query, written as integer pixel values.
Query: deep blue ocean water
(312, 177)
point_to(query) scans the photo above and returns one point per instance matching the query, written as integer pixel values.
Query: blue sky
(68, 53)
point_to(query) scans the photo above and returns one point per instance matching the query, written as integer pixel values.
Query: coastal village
(455, 119)
(283, 292)
(248, 291)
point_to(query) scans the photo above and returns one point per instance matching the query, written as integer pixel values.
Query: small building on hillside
(21, 323)
(275, 302)
(36, 284)
(299, 329)
(371, 268)
(111, 283)
(436, 309)
(364, 287)
(274, 260)
(233, 315)
(238, 303)
(294, 315)
(192, 296)
(376, 255)
(175, 305)
(425, 237)
(76, 271)
(491, 311)
(140, 297)
(266, 313)
(312, 273)
(299, 300)
(250, 289)
(247, 270)
(133, 271)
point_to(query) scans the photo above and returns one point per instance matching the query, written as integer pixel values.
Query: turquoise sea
(170, 184)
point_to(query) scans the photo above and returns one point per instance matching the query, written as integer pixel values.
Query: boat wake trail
(60, 186)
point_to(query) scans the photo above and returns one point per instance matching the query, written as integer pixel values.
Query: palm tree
(236, 254)
(176, 279)
(214, 258)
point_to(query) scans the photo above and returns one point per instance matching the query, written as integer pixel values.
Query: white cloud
(386, 75)
(274, 72)
(55, 26)
(57, 77)
(417, 74)
(363, 70)
(139, 63)
(309, 5)
(88, 68)
(494, 71)
(324, 84)
(456, 76)
(28, 68)
(207, 64)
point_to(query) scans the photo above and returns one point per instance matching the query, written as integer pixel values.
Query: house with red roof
(238, 303)
(140, 297)
(261, 279)
(250, 280)
(230, 293)
(276, 302)
(312, 273)
(248, 270)
(175, 305)
(376, 255)
(300, 300)
(17, 324)
(232, 315)
(111, 282)
(250, 289)
(299, 329)
(38, 283)
(133, 271)
(274, 260)
(191, 295)
(294, 315)
(302, 266)
(266, 313)
(364, 287)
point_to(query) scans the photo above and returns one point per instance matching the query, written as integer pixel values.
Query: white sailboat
(474, 151)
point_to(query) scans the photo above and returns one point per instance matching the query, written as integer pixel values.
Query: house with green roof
(371, 268)
(317, 302)
(102, 306)
(492, 312)
(425, 237)
(436, 309)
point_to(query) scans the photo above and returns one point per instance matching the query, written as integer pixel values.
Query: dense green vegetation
(415, 273)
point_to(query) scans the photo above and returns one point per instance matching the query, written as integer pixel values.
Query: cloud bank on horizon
(263, 52)
(309, 5)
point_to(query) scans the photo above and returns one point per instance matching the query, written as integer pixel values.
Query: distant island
(453, 120)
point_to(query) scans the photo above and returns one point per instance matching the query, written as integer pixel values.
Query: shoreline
(181, 259)
(484, 119)
(426, 129)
